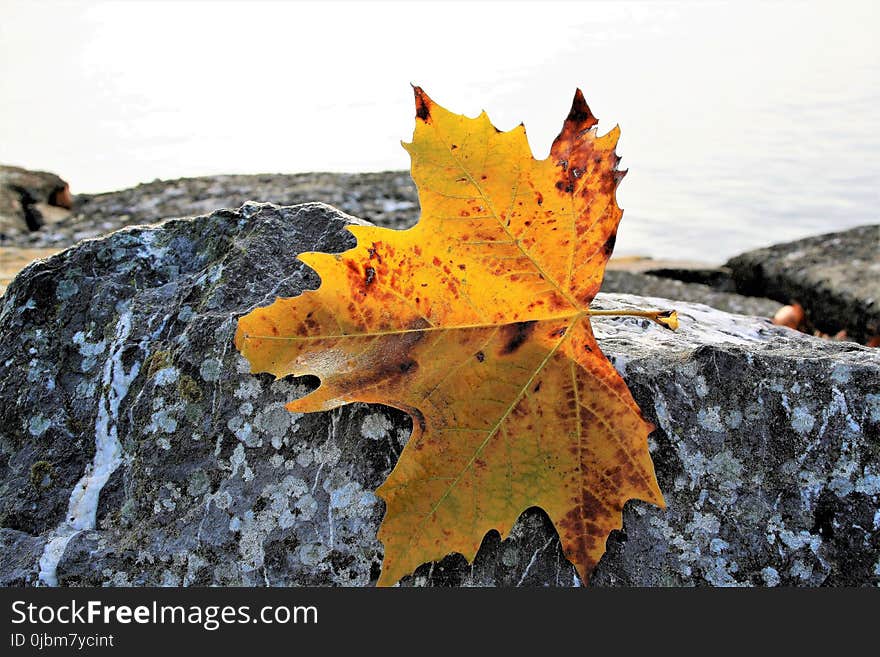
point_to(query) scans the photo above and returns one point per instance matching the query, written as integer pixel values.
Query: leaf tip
(423, 104)
(580, 114)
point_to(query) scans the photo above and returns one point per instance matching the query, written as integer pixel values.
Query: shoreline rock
(136, 449)
(28, 200)
(835, 277)
(387, 198)
(668, 288)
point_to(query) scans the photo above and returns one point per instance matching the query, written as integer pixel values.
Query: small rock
(26, 197)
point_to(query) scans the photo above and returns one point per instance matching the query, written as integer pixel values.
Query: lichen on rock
(766, 443)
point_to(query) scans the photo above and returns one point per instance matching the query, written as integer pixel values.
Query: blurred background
(742, 124)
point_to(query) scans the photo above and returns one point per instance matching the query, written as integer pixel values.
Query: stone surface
(19, 552)
(386, 198)
(135, 449)
(835, 277)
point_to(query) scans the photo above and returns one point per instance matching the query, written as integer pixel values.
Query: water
(743, 124)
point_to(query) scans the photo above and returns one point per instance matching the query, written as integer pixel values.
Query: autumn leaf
(476, 322)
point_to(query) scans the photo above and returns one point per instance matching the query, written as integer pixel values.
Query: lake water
(742, 124)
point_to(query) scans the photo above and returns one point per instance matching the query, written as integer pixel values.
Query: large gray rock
(835, 277)
(136, 449)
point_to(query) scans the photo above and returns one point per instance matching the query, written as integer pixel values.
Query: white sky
(108, 94)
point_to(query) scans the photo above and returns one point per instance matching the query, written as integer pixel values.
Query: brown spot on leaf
(394, 363)
(418, 418)
(608, 247)
(557, 302)
(514, 335)
(564, 186)
(407, 366)
(373, 252)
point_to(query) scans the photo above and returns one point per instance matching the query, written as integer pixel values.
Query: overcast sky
(762, 105)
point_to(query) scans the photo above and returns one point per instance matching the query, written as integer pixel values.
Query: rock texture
(835, 277)
(386, 198)
(135, 449)
(26, 197)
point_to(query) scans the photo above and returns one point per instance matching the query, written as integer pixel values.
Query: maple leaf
(476, 323)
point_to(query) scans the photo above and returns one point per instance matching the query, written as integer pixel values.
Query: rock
(668, 288)
(766, 451)
(26, 197)
(18, 554)
(386, 198)
(835, 277)
(716, 277)
(135, 448)
(686, 271)
(13, 259)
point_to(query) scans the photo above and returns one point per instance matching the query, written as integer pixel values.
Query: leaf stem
(626, 313)
(665, 318)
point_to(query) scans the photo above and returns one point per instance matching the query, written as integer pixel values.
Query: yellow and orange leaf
(476, 322)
